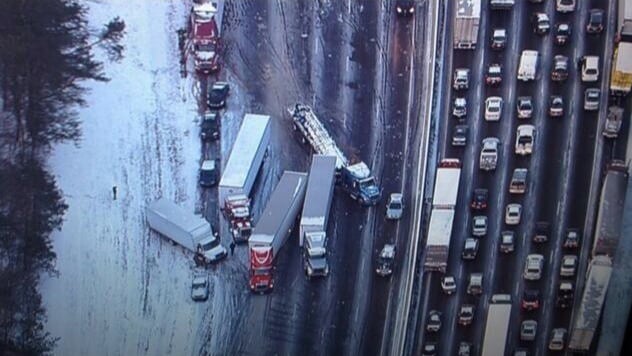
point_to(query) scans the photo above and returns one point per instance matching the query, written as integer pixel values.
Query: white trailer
(610, 213)
(497, 326)
(274, 228)
(186, 229)
(246, 157)
(589, 313)
(320, 191)
(466, 23)
(527, 68)
(447, 184)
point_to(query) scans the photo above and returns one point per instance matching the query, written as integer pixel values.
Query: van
(590, 68)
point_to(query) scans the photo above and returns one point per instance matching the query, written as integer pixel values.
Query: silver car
(199, 287)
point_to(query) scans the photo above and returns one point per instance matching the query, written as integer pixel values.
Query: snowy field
(122, 290)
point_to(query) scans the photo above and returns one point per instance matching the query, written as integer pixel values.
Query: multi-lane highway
(559, 170)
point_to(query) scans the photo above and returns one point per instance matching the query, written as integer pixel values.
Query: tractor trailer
(313, 224)
(274, 228)
(610, 213)
(188, 230)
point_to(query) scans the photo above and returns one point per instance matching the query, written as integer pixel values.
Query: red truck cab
(261, 259)
(205, 36)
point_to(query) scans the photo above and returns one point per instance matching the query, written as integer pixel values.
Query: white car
(493, 108)
(395, 206)
(479, 225)
(524, 139)
(569, 265)
(558, 339)
(533, 267)
(199, 287)
(513, 212)
(448, 284)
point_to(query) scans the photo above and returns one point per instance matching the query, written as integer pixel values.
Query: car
(448, 284)
(541, 23)
(518, 183)
(528, 330)
(564, 295)
(199, 287)
(562, 33)
(465, 348)
(513, 213)
(530, 299)
(385, 260)
(217, 95)
(209, 173)
(614, 120)
(434, 321)
(430, 349)
(395, 206)
(556, 106)
(565, 6)
(499, 39)
(525, 138)
(541, 232)
(595, 21)
(589, 68)
(494, 75)
(493, 108)
(459, 108)
(479, 225)
(209, 127)
(459, 136)
(558, 339)
(572, 239)
(461, 78)
(405, 7)
(533, 267)
(507, 241)
(479, 199)
(569, 265)
(470, 249)
(591, 99)
(560, 68)
(524, 106)
(466, 314)
(489, 153)
(475, 284)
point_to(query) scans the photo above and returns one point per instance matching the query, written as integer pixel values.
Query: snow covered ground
(122, 290)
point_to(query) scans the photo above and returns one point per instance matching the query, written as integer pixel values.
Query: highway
(559, 170)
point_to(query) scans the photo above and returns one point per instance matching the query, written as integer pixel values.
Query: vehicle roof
(320, 185)
(208, 165)
(388, 251)
(396, 197)
(526, 129)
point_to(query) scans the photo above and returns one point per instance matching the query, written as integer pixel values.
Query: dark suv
(531, 299)
(595, 21)
(479, 199)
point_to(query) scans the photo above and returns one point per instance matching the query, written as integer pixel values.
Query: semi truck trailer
(466, 23)
(610, 212)
(273, 229)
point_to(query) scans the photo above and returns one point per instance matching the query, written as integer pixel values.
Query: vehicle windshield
(261, 272)
(367, 183)
(208, 47)
(210, 245)
(199, 284)
(396, 206)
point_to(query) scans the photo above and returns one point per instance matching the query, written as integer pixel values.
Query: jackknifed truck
(356, 179)
(186, 229)
(313, 224)
(244, 162)
(444, 199)
(274, 228)
(466, 23)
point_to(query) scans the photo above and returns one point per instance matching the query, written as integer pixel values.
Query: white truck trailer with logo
(186, 229)
(497, 325)
(467, 18)
(587, 317)
(313, 224)
(444, 200)
(246, 157)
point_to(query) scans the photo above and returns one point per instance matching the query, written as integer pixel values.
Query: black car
(217, 95)
(405, 7)
(524, 107)
(564, 295)
(531, 299)
(595, 21)
(562, 33)
(541, 23)
(479, 199)
(541, 232)
(208, 173)
(459, 137)
(209, 129)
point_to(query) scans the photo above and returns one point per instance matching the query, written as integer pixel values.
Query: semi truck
(466, 23)
(274, 228)
(610, 212)
(497, 325)
(356, 178)
(444, 200)
(621, 75)
(527, 67)
(587, 317)
(205, 25)
(313, 224)
(186, 229)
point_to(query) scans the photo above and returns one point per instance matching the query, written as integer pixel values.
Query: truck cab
(315, 254)
(205, 37)
(360, 184)
(385, 260)
(261, 260)
(237, 209)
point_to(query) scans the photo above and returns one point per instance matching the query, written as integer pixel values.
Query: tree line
(46, 55)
